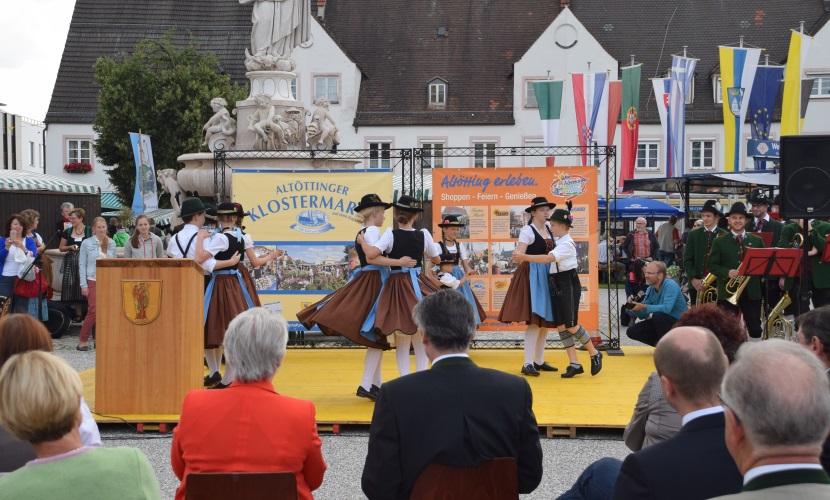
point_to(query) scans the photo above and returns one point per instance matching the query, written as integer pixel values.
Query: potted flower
(77, 167)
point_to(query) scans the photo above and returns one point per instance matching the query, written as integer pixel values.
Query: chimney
(564, 3)
(321, 9)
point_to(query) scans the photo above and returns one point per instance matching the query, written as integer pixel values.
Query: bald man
(695, 463)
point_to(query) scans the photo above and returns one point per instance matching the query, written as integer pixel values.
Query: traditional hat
(210, 211)
(371, 200)
(738, 208)
(449, 220)
(226, 208)
(240, 212)
(447, 258)
(408, 203)
(758, 195)
(563, 216)
(712, 206)
(192, 206)
(539, 201)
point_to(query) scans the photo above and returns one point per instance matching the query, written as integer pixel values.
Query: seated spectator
(248, 427)
(20, 333)
(777, 403)
(813, 330)
(40, 403)
(663, 302)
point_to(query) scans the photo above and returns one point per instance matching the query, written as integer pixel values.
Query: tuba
(735, 287)
(777, 326)
(710, 292)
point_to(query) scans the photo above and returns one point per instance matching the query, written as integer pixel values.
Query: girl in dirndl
(405, 286)
(528, 299)
(450, 227)
(565, 291)
(226, 295)
(253, 258)
(351, 310)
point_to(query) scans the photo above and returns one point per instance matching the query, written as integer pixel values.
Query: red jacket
(248, 427)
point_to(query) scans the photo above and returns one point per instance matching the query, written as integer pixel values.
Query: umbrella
(631, 208)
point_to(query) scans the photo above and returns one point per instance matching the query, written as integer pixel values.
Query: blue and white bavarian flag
(682, 78)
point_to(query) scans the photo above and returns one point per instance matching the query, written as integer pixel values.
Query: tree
(165, 91)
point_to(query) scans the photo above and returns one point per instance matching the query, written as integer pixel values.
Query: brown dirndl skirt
(249, 283)
(516, 307)
(225, 304)
(397, 301)
(343, 311)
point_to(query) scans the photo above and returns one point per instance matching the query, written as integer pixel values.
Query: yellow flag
(791, 107)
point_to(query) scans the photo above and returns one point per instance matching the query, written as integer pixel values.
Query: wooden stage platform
(329, 378)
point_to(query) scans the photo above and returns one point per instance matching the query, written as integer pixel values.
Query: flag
(549, 99)
(145, 196)
(588, 90)
(607, 116)
(682, 76)
(765, 90)
(662, 89)
(737, 74)
(631, 120)
(791, 107)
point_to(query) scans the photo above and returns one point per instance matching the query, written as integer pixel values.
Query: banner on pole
(682, 78)
(765, 89)
(738, 66)
(549, 99)
(145, 194)
(791, 121)
(588, 89)
(630, 120)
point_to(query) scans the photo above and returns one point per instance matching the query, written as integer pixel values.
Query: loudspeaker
(805, 176)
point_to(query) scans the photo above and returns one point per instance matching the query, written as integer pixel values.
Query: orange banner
(492, 204)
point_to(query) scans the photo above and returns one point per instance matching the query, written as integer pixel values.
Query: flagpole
(141, 177)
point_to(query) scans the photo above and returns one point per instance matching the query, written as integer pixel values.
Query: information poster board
(492, 204)
(309, 214)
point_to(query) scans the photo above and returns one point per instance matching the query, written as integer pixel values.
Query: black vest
(457, 254)
(408, 244)
(539, 245)
(234, 246)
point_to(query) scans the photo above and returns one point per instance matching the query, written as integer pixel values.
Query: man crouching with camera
(663, 302)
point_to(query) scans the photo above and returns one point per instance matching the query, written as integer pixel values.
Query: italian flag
(549, 98)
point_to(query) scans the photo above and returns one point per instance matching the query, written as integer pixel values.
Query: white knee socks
(402, 343)
(421, 359)
(539, 357)
(213, 365)
(371, 368)
(531, 338)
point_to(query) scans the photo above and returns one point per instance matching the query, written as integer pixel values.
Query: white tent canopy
(18, 180)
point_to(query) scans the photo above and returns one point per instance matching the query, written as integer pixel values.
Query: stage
(329, 378)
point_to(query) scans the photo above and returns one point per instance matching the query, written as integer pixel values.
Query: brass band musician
(699, 246)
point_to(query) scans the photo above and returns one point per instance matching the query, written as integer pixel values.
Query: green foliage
(162, 89)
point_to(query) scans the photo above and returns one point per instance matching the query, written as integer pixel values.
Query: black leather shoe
(82, 348)
(545, 367)
(363, 393)
(570, 371)
(220, 385)
(530, 370)
(213, 379)
(596, 363)
(375, 390)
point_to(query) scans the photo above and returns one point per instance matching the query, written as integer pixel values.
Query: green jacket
(818, 236)
(772, 226)
(694, 256)
(724, 256)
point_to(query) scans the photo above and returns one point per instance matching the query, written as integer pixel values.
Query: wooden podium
(149, 345)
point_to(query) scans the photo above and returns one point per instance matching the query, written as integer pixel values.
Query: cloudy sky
(34, 33)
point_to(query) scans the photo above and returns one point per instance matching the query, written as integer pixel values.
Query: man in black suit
(695, 463)
(453, 414)
(814, 334)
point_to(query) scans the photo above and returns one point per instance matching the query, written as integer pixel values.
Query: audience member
(63, 222)
(248, 427)
(641, 243)
(40, 398)
(15, 249)
(668, 237)
(474, 414)
(814, 334)
(143, 244)
(121, 236)
(663, 301)
(100, 246)
(777, 402)
(112, 227)
(71, 240)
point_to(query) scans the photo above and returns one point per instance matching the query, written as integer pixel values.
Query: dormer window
(438, 92)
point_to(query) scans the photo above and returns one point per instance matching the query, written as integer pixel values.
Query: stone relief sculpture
(220, 130)
(170, 185)
(321, 135)
(271, 132)
(278, 27)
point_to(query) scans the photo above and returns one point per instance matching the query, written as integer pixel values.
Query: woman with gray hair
(263, 431)
(40, 403)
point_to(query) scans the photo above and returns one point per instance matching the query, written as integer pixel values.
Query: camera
(629, 303)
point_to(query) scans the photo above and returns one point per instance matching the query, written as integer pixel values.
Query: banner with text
(310, 216)
(492, 204)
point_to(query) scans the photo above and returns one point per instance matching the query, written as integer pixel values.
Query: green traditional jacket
(694, 256)
(725, 256)
(818, 236)
(772, 226)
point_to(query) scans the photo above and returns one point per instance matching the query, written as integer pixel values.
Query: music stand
(772, 262)
(767, 237)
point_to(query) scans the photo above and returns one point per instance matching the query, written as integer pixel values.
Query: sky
(34, 33)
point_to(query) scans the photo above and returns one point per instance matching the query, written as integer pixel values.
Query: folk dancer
(450, 227)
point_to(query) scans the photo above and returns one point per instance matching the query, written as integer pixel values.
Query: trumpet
(735, 287)
(777, 326)
(709, 293)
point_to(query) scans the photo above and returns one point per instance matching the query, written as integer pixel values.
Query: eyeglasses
(727, 406)
(650, 272)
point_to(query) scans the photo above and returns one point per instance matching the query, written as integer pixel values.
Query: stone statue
(220, 130)
(279, 26)
(321, 135)
(170, 185)
(271, 132)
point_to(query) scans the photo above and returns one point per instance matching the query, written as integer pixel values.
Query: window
(432, 155)
(438, 93)
(379, 155)
(327, 86)
(703, 151)
(530, 95)
(821, 86)
(690, 94)
(31, 154)
(718, 90)
(485, 154)
(294, 88)
(647, 156)
(78, 150)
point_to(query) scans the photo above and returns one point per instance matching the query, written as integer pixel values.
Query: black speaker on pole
(805, 176)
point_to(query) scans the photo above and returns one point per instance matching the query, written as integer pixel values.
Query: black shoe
(570, 371)
(545, 367)
(83, 348)
(213, 379)
(528, 369)
(375, 390)
(596, 363)
(220, 385)
(363, 393)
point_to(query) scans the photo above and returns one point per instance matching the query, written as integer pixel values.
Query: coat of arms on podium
(141, 300)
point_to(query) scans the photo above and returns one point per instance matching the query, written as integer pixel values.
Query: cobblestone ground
(564, 458)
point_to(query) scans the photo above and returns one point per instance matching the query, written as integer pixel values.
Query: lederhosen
(187, 249)
(565, 290)
(528, 294)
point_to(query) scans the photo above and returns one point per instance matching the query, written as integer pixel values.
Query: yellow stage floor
(329, 378)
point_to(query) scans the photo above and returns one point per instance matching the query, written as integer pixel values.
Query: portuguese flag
(629, 117)
(549, 98)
